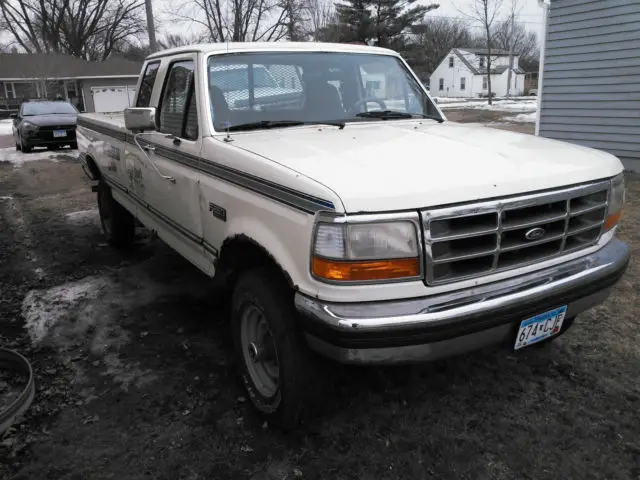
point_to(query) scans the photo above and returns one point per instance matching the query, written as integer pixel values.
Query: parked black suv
(47, 124)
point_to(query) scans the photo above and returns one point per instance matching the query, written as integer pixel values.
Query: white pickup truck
(352, 219)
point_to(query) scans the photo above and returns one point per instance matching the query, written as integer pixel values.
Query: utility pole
(511, 34)
(150, 26)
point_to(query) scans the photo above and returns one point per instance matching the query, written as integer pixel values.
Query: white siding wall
(591, 81)
(500, 82)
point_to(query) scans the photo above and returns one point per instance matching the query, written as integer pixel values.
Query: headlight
(366, 251)
(616, 200)
(29, 126)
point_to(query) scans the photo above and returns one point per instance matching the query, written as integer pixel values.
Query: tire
(23, 147)
(18, 148)
(118, 225)
(73, 145)
(262, 305)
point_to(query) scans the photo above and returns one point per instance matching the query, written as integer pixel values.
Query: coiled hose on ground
(14, 362)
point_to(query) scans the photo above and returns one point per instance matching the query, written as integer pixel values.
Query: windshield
(47, 108)
(310, 87)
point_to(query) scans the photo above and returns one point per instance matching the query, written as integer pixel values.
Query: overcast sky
(531, 14)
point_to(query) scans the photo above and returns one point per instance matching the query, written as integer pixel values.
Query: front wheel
(23, 147)
(272, 357)
(118, 225)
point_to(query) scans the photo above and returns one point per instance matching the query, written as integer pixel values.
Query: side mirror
(13, 115)
(140, 118)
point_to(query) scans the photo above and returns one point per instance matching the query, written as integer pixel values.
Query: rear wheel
(273, 358)
(118, 225)
(74, 145)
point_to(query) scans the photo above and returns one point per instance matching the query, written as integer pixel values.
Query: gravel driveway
(135, 379)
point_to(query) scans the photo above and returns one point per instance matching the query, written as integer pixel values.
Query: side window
(175, 98)
(146, 86)
(441, 84)
(450, 62)
(463, 83)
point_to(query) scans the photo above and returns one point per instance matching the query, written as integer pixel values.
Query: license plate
(535, 329)
(59, 133)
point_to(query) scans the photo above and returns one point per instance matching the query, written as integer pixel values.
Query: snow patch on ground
(6, 127)
(11, 155)
(522, 118)
(84, 217)
(498, 105)
(45, 310)
(88, 314)
(6, 198)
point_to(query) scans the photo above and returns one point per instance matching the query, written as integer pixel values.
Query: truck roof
(272, 47)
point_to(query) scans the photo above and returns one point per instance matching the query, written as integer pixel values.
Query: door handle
(147, 149)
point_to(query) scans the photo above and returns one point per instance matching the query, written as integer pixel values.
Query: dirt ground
(134, 381)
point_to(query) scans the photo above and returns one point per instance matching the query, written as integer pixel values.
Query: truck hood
(401, 165)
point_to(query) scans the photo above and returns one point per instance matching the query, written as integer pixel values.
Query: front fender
(289, 251)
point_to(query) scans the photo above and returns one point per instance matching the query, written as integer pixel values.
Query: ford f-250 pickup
(350, 218)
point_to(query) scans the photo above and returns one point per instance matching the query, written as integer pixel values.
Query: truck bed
(111, 121)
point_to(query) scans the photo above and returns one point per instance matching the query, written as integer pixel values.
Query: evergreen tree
(392, 18)
(354, 19)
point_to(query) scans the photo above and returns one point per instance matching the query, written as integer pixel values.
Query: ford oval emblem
(535, 233)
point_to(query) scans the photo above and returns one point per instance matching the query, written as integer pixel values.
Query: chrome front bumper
(429, 328)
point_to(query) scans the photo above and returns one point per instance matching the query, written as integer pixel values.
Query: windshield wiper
(280, 123)
(391, 115)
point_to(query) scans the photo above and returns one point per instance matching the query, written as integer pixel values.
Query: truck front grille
(471, 240)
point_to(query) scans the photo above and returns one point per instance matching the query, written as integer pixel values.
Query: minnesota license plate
(535, 329)
(59, 133)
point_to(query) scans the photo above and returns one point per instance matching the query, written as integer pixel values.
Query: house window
(72, 90)
(484, 83)
(441, 84)
(463, 83)
(9, 90)
(481, 62)
(450, 62)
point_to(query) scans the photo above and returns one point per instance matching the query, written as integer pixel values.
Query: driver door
(170, 176)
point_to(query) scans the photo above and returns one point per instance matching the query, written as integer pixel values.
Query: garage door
(112, 99)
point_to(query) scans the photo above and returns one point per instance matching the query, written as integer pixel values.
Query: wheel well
(93, 167)
(240, 254)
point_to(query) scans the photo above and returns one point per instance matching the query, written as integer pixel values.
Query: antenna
(227, 34)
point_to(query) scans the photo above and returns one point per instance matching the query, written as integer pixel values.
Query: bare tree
(89, 29)
(235, 20)
(525, 43)
(319, 15)
(484, 13)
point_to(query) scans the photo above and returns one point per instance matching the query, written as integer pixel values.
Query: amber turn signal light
(612, 220)
(366, 270)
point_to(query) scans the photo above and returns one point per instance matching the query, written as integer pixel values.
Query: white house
(463, 73)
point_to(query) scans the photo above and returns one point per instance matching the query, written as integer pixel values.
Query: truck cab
(346, 215)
